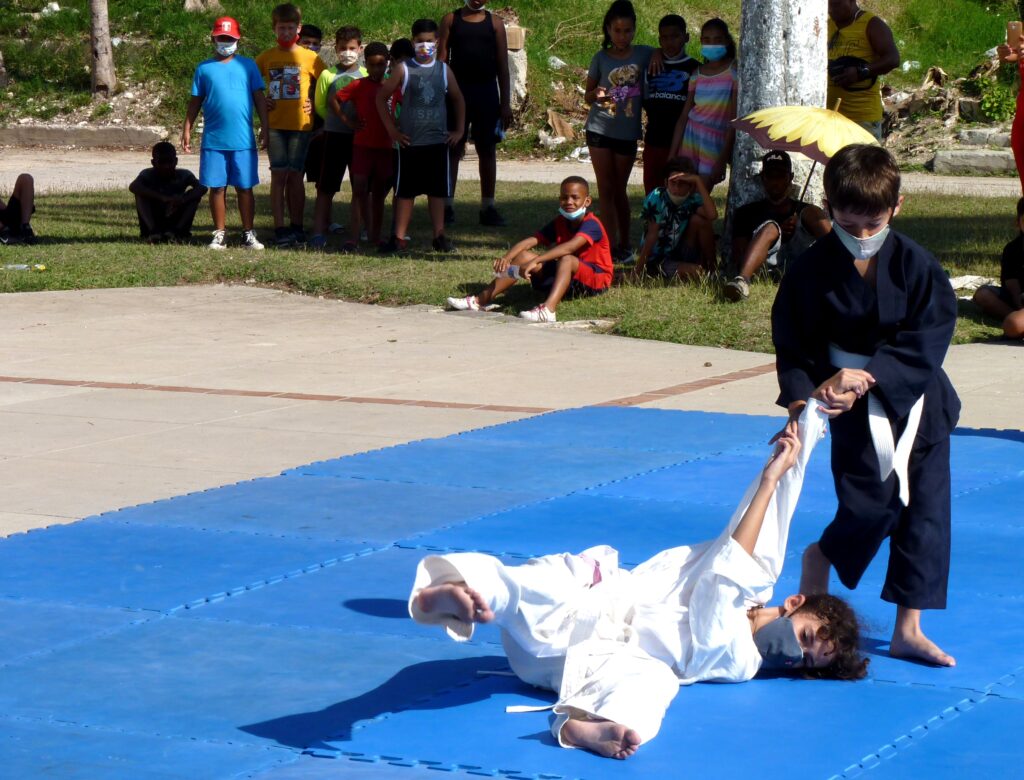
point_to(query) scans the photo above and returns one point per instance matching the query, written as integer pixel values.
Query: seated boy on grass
(578, 263)
(1005, 302)
(616, 645)
(679, 241)
(166, 197)
(16, 215)
(774, 230)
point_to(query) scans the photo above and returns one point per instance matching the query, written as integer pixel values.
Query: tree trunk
(103, 79)
(782, 61)
(3, 71)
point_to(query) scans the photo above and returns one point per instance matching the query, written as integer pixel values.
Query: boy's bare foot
(608, 739)
(814, 574)
(455, 598)
(915, 645)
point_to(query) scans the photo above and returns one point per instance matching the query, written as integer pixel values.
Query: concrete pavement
(110, 398)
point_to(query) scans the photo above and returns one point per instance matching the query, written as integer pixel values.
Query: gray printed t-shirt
(424, 116)
(624, 80)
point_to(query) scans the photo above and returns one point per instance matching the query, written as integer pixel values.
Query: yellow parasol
(815, 132)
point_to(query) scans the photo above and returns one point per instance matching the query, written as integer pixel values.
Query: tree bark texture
(3, 71)
(782, 61)
(103, 79)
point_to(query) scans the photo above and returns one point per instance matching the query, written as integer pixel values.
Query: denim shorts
(287, 149)
(227, 168)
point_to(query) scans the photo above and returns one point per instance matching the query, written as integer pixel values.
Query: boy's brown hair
(863, 179)
(841, 628)
(286, 12)
(348, 33)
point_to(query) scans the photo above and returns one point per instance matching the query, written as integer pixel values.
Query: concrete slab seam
(273, 580)
(900, 743)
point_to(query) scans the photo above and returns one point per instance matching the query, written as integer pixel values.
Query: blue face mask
(778, 646)
(572, 216)
(713, 53)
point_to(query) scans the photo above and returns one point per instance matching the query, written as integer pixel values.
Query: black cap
(776, 157)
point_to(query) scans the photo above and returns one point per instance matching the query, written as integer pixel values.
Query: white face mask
(225, 49)
(425, 50)
(573, 215)
(348, 58)
(676, 199)
(861, 248)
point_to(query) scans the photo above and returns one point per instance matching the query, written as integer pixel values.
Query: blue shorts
(227, 168)
(287, 149)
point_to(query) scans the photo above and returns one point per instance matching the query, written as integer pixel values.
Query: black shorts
(995, 289)
(543, 279)
(10, 216)
(617, 145)
(483, 114)
(337, 156)
(315, 157)
(423, 170)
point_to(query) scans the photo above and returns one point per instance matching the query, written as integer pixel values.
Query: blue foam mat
(360, 510)
(323, 659)
(148, 567)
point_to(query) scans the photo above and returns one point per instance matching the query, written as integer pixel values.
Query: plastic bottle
(512, 272)
(24, 267)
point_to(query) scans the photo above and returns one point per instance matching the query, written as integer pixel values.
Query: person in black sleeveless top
(474, 44)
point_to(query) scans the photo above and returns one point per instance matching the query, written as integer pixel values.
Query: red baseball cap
(226, 26)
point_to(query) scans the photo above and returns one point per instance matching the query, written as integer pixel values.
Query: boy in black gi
(862, 322)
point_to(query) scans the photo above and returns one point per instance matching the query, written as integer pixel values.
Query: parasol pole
(815, 162)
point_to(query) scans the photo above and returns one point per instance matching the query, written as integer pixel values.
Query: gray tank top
(424, 116)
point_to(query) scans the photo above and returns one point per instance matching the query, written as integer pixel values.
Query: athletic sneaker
(491, 217)
(336, 228)
(28, 235)
(737, 290)
(539, 314)
(449, 215)
(249, 240)
(623, 255)
(396, 246)
(298, 235)
(283, 237)
(469, 303)
(318, 242)
(349, 248)
(220, 240)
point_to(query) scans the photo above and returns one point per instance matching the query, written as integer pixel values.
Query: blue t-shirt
(226, 87)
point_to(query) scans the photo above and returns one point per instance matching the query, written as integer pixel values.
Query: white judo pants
(563, 631)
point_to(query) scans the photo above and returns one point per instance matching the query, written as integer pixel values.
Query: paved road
(89, 169)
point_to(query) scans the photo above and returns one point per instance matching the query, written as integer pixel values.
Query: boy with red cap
(226, 88)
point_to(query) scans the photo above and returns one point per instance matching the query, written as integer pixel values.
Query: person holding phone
(1011, 51)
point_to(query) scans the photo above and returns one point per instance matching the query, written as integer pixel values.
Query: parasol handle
(808, 182)
(839, 102)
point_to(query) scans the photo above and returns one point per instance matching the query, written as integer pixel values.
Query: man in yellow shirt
(291, 73)
(860, 49)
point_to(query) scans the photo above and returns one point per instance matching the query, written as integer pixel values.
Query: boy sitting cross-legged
(579, 262)
(166, 197)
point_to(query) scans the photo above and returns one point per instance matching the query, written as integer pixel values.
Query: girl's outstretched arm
(782, 460)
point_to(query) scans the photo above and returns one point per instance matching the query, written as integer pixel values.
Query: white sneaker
(469, 303)
(220, 240)
(539, 314)
(249, 240)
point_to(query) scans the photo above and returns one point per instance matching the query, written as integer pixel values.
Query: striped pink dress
(709, 118)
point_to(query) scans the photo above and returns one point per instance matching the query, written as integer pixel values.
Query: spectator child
(614, 91)
(227, 88)
(871, 303)
(16, 216)
(348, 45)
(774, 230)
(679, 241)
(704, 131)
(578, 262)
(312, 38)
(166, 197)
(1005, 302)
(291, 73)
(373, 162)
(474, 43)
(665, 96)
(421, 133)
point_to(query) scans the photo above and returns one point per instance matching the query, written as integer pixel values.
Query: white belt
(892, 456)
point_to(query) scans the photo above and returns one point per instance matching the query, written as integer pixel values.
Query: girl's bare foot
(608, 739)
(455, 598)
(919, 647)
(814, 574)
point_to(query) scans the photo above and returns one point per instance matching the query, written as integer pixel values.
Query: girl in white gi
(616, 644)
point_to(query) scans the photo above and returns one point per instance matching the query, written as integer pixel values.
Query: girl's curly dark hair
(840, 627)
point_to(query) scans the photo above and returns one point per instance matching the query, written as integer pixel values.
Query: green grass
(89, 240)
(48, 58)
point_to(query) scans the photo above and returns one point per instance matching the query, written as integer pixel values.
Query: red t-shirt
(363, 95)
(595, 269)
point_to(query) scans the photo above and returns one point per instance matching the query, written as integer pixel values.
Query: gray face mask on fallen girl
(778, 646)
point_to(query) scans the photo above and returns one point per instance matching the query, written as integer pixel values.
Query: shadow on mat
(382, 608)
(990, 433)
(412, 688)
